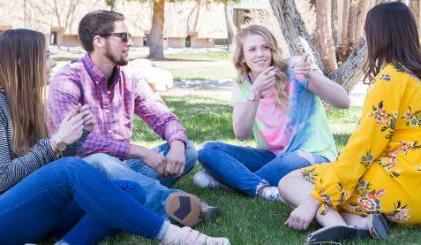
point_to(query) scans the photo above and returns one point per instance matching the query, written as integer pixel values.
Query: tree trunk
(295, 32)
(405, 2)
(415, 8)
(197, 9)
(196, 18)
(351, 72)
(299, 41)
(111, 4)
(323, 35)
(345, 15)
(155, 42)
(362, 10)
(231, 29)
(334, 21)
(419, 17)
(351, 28)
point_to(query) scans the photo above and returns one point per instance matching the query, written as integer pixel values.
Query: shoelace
(193, 235)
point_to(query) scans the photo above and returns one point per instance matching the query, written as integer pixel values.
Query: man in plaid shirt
(114, 96)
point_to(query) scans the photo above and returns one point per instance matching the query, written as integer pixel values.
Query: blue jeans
(247, 169)
(61, 194)
(147, 177)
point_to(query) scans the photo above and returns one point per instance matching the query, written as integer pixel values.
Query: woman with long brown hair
(378, 173)
(279, 101)
(40, 196)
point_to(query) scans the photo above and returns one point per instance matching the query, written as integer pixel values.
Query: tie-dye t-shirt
(302, 127)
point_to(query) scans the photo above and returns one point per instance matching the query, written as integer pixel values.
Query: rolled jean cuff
(163, 230)
(261, 185)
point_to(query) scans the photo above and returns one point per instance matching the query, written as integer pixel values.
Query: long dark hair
(392, 37)
(22, 77)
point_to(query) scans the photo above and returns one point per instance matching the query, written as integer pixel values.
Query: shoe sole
(335, 233)
(184, 208)
(379, 227)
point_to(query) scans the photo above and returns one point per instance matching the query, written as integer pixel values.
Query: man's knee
(105, 163)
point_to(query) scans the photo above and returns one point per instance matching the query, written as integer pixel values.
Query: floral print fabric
(379, 170)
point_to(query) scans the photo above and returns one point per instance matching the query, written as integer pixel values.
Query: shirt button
(108, 92)
(107, 111)
(110, 131)
(97, 82)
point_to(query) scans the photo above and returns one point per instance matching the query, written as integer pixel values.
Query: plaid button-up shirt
(113, 104)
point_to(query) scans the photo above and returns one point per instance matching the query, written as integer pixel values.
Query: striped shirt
(113, 102)
(15, 168)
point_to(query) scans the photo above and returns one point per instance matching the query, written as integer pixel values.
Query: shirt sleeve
(13, 170)
(150, 108)
(64, 94)
(377, 124)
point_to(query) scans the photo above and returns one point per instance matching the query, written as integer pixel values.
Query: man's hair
(97, 23)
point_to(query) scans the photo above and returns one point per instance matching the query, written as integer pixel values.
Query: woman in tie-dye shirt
(279, 102)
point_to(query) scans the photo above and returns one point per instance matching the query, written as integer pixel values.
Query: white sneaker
(270, 193)
(187, 236)
(203, 180)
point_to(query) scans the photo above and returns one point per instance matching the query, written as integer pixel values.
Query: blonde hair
(243, 70)
(22, 77)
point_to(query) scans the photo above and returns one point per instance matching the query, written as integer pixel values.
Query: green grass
(245, 220)
(203, 73)
(212, 65)
(211, 55)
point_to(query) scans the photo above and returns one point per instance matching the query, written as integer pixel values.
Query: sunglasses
(124, 36)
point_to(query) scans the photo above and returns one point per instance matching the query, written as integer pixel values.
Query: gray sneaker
(204, 180)
(270, 193)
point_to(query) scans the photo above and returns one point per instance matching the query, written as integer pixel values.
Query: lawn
(213, 65)
(245, 220)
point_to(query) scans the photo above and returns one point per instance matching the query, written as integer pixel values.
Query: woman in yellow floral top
(378, 173)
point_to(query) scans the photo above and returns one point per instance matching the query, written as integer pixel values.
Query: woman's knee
(209, 148)
(284, 184)
(67, 162)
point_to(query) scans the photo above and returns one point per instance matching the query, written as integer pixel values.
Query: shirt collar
(96, 74)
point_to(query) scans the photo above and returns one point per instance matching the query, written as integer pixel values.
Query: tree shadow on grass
(203, 119)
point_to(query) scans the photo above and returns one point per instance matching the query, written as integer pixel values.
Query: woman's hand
(320, 85)
(71, 128)
(304, 66)
(264, 80)
(301, 217)
(88, 118)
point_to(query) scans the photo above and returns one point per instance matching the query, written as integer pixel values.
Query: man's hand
(175, 159)
(149, 157)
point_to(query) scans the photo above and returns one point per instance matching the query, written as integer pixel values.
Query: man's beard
(115, 60)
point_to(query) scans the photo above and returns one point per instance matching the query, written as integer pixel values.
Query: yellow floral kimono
(379, 170)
